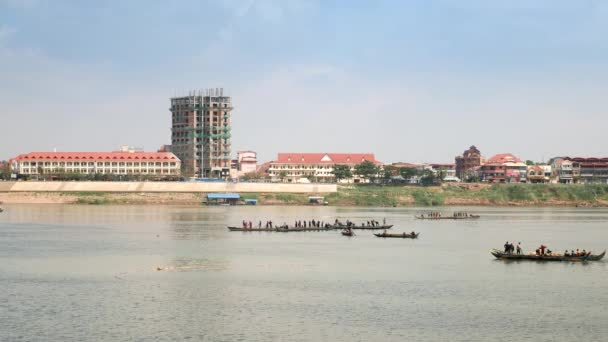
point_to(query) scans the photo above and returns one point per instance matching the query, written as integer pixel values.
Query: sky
(411, 81)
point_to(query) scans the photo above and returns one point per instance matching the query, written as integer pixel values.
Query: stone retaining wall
(36, 186)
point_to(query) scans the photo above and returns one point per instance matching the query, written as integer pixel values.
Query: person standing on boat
(542, 249)
(507, 247)
(519, 248)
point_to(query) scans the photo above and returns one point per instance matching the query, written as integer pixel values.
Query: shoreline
(504, 195)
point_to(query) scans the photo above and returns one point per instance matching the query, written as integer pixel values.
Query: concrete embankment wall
(35, 186)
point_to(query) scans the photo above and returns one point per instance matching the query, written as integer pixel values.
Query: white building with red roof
(320, 166)
(119, 163)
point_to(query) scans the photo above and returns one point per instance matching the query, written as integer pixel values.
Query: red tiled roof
(325, 158)
(451, 165)
(156, 156)
(503, 158)
(407, 165)
(586, 160)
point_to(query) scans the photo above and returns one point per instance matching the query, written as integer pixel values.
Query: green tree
(428, 177)
(5, 170)
(388, 172)
(341, 172)
(408, 172)
(366, 169)
(530, 162)
(282, 175)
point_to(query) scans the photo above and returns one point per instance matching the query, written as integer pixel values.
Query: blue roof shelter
(222, 199)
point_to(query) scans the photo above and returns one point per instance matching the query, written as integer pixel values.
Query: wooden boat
(387, 226)
(402, 235)
(470, 217)
(302, 229)
(241, 229)
(506, 256)
(348, 233)
(596, 257)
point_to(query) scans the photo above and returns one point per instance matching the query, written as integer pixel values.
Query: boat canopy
(223, 196)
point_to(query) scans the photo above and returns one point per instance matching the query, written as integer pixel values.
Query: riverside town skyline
(440, 83)
(303, 170)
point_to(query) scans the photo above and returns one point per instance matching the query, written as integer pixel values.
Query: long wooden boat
(470, 217)
(508, 256)
(596, 257)
(402, 236)
(302, 229)
(387, 226)
(348, 233)
(241, 229)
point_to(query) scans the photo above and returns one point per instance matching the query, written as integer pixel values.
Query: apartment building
(200, 132)
(580, 170)
(504, 168)
(295, 167)
(119, 163)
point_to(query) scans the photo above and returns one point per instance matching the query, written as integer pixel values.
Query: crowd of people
(575, 254)
(510, 248)
(461, 214)
(542, 250)
(432, 215)
(314, 224)
(370, 223)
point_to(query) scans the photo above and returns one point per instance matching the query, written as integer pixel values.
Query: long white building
(120, 163)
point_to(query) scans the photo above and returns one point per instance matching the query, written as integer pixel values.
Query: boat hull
(596, 257)
(398, 236)
(506, 256)
(470, 217)
(239, 229)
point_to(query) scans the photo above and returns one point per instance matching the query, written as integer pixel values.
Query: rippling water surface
(89, 273)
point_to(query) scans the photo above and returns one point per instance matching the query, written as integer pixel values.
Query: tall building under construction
(200, 133)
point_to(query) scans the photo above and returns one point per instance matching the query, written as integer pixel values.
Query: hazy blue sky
(407, 80)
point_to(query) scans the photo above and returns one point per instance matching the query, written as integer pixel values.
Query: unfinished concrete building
(200, 133)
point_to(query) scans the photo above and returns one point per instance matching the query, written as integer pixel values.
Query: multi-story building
(580, 170)
(157, 164)
(539, 173)
(200, 133)
(246, 162)
(318, 166)
(468, 162)
(504, 168)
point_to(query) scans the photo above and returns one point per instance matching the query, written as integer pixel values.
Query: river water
(89, 273)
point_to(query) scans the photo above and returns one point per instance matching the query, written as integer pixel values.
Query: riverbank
(362, 195)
